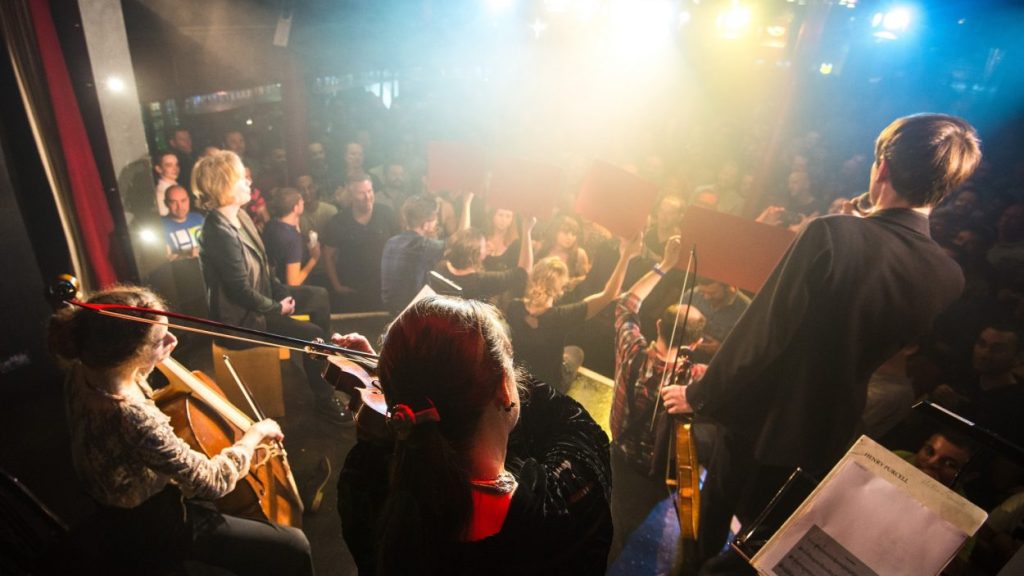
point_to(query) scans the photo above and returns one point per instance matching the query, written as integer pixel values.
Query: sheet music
(873, 514)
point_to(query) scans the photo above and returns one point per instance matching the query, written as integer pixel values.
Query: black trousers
(736, 484)
(311, 300)
(315, 301)
(246, 546)
(159, 535)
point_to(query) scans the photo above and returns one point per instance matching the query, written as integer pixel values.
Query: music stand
(797, 488)
(800, 484)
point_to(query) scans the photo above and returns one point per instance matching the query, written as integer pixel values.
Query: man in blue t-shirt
(182, 228)
(292, 256)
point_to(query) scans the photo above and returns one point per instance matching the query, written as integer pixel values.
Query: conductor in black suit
(789, 384)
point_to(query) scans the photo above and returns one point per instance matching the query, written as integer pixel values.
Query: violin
(683, 480)
(682, 471)
(357, 377)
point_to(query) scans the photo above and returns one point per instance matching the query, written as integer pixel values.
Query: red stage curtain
(92, 212)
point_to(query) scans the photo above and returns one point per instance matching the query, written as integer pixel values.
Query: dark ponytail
(456, 355)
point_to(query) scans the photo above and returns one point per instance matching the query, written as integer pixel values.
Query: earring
(510, 406)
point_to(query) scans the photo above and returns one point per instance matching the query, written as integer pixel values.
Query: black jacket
(240, 293)
(792, 376)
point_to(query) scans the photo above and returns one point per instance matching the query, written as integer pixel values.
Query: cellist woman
(153, 490)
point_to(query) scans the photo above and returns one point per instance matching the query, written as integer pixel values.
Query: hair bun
(62, 335)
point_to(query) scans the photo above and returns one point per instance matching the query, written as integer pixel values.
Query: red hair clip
(401, 417)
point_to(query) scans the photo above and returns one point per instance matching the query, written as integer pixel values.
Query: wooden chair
(260, 369)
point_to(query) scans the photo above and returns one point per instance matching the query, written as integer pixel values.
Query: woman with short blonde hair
(214, 178)
(243, 290)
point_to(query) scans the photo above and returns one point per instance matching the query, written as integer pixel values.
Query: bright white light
(890, 25)
(684, 18)
(776, 31)
(115, 84)
(825, 68)
(586, 9)
(499, 5)
(734, 21)
(896, 20)
(639, 26)
(538, 27)
(148, 236)
(248, 121)
(557, 6)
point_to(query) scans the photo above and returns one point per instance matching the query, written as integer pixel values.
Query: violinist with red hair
(484, 472)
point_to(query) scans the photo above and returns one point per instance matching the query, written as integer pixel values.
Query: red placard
(616, 199)
(524, 186)
(731, 249)
(455, 167)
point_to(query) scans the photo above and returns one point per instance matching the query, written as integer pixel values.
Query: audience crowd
(361, 223)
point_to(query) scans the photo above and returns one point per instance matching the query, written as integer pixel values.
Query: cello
(203, 417)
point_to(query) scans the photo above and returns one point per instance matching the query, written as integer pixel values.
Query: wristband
(657, 270)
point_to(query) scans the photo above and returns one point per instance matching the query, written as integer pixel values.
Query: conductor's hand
(674, 398)
(288, 306)
(673, 247)
(353, 341)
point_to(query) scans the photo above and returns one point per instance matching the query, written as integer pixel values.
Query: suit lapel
(251, 237)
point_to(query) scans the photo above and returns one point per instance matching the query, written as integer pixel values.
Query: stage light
(890, 25)
(148, 236)
(825, 68)
(775, 36)
(115, 84)
(248, 121)
(897, 20)
(734, 21)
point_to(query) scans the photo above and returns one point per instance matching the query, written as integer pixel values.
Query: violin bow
(65, 290)
(296, 344)
(669, 373)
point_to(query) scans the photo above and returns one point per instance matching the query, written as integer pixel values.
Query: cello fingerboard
(176, 372)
